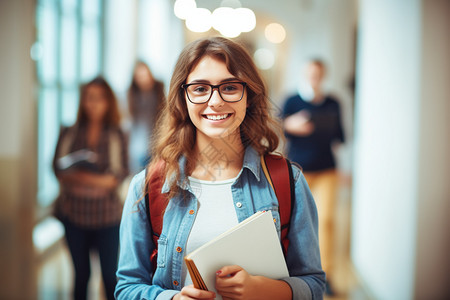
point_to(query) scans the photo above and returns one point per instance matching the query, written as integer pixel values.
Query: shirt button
(179, 249)
(176, 283)
(274, 220)
(191, 212)
(239, 205)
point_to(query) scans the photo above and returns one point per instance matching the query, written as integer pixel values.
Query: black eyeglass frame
(213, 87)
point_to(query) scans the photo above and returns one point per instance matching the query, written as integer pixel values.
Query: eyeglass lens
(202, 92)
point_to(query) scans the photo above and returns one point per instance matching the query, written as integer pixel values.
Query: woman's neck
(217, 159)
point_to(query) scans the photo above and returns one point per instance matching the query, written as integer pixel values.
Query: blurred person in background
(312, 124)
(145, 98)
(90, 162)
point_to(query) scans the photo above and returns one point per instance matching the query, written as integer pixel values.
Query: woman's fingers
(228, 271)
(190, 292)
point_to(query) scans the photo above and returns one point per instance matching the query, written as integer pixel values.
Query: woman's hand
(299, 124)
(234, 283)
(190, 292)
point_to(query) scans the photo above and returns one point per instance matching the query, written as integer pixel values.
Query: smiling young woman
(213, 130)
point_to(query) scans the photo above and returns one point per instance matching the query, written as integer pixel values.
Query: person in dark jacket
(312, 124)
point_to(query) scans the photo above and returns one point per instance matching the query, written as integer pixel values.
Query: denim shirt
(251, 193)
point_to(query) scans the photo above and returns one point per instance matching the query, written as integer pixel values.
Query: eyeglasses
(199, 93)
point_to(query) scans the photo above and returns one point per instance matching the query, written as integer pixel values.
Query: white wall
(390, 190)
(18, 150)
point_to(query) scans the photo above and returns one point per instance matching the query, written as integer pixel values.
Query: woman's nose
(216, 99)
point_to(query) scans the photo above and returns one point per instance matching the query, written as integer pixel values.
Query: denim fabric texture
(251, 193)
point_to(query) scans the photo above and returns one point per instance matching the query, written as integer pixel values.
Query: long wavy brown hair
(176, 134)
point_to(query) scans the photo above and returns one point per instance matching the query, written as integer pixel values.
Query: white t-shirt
(216, 214)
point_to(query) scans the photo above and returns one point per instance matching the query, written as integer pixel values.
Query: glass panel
(69, 106)
(119, 48)
(69, 6)
(90, 52)
(48, 130)
(90, 9)
(69, 49)
(47, 24)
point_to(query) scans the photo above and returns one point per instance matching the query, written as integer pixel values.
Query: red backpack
(278, 172)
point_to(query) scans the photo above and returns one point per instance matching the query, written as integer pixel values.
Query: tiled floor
(346, 284)
(55, 271)
(55, 276)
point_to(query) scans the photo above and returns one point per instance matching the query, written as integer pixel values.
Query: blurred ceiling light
(246, 19)
(231, 31)
(275, 33)
(184, 8)
(223, 20)
(199, 20)
(230, 19)
(264, 59)
(231, 3)
(221, 17)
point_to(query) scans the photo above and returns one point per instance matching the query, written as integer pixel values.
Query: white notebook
(252, 244)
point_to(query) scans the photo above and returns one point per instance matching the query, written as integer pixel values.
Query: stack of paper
(83, 157)
(252, 244)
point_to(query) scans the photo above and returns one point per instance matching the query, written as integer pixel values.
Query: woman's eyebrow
(231, 79)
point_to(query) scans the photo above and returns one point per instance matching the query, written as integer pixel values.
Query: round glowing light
(199, 20)
(275, 33)
(246, 19)
(221, 18)
(264, 59)
(231, 31)
(184, 8)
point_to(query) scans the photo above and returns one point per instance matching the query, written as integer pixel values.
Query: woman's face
(315, 75)
(215, 118)
(143, 78)
(95, 103)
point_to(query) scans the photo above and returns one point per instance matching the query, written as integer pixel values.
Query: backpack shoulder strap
(156, 203)
(278, 172)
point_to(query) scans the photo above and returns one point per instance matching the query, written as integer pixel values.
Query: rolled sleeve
(300, 289)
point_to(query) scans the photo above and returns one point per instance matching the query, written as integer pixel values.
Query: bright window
(69, 39)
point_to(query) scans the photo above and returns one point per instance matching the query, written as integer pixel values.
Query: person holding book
(90, 162)
(214, 128)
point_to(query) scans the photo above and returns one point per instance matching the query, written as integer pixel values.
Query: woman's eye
(229, 88)
(200, 89)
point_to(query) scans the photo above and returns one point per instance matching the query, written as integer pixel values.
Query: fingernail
(218, 273)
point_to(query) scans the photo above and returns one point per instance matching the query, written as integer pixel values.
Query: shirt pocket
(162, 252)
(275, 215)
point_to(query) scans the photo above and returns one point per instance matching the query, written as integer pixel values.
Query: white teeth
(216, 117)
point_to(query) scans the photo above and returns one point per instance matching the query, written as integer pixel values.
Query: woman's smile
(216, 117)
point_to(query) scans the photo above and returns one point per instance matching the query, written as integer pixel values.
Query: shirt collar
(251, 162)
